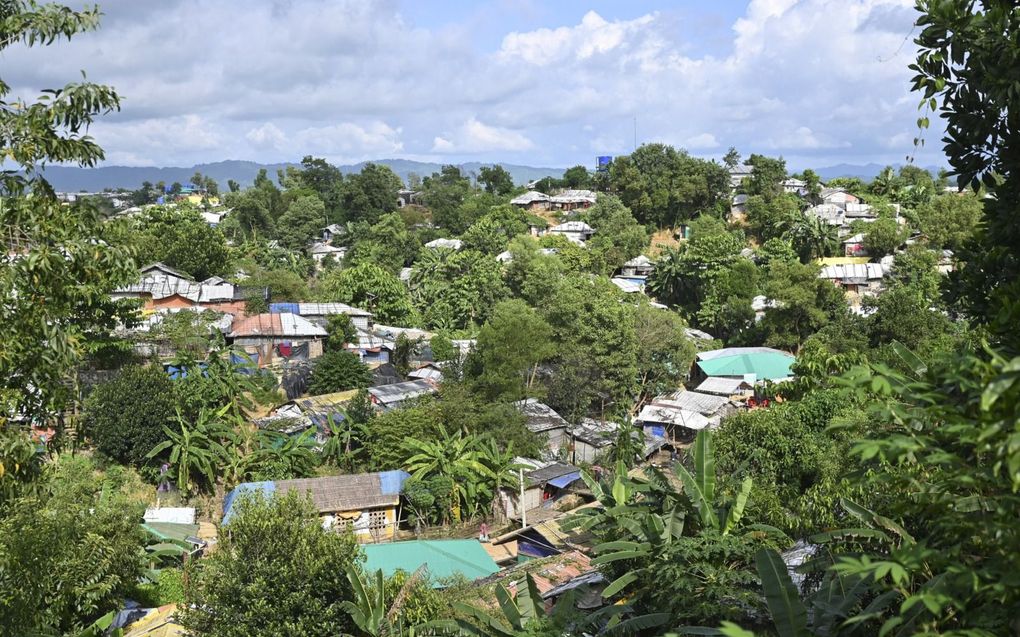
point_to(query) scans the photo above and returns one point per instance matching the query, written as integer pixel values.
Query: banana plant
(699, 488)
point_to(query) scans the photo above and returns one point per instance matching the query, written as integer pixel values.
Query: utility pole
(524, 513)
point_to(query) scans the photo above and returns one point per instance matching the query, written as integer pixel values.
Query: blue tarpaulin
(392, 482)
(284, 308)
(266, 488)
(563, 481)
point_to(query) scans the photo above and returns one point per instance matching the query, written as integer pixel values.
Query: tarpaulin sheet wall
(266, 488)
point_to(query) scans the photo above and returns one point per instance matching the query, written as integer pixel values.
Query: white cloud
(475, 137)
(349, 141)
(824, 81)
(266, 136)
(704, 141)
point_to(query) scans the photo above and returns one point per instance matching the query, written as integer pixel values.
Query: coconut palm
(454, 456)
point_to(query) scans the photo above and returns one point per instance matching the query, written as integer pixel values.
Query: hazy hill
(73, 179)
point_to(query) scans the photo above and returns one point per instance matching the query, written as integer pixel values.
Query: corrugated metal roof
(399, 392)
(443, 558)
(540, 417)
(735, 351)
(664, 413)
(597, 433)
(572, 226)
(529, 197)
(575, 196)
(275, 325)
(855, 272)
(705, 404)
(330, 309)
(450, 244)
(723, 386)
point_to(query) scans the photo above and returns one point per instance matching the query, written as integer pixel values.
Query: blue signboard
(602, 162)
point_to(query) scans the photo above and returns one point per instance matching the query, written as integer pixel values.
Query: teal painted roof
(444, 558)
(764, 363)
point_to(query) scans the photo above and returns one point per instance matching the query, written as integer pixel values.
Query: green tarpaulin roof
(171, 531)
(765, 365)
(445, 558)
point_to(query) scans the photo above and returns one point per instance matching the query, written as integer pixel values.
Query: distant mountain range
(73, 179)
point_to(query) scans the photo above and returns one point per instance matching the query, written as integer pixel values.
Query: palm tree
(525, 614)
(282, 456)
(886, 183)
(813, 238)
(196, 449)
(340, 447)
(500, 471)
(451, 456)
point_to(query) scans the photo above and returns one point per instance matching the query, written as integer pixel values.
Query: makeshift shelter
(366, 502)
(757, 363)
(442, 558)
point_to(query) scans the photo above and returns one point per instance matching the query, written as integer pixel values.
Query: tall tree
(966, 64)
(510, 345)
(302, 222)
(496, 180)
(370, 287)
(276, 571)
(664, 186)
(63, 261)
(767, 175)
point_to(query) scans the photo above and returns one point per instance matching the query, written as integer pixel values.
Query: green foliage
(341, 331)
(389, 431)
(597, 366)
(883, 236)
(443, 348)
(496, 180)
(803, 304)
(179, 237)
(369, 286)
(195, 451)
(125, 416)
(947, 438)
(69, 554)
(618, 237)
(276, 571)
(338, 370)
(370, 194)
(766, 178)
(768, 217)
(492, 233)
(509, 348)
(456, 289)
(47, 322)
(948, 221)
(444, 193)
(388, 244)
(302, 222)
(965, 70)
(454, 456)
(664, 353)
(664, 186)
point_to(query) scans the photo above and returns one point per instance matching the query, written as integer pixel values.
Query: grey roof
(540, 417)
(671, 414)
(627, 286)
(575, 196)
(573, 226)
(450, 244)
(723, 386)
(704, 404)
(330, 309)
(399, 392)
(742, 169)
(529, 197)
(548, 472)
(325, 248)
(860, 210)
(692, 333)
(342, 493)
(597, 433)
(274, 326)
(853, 272)
(640, 261)
(740, 199)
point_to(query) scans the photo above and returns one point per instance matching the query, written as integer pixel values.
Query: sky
(543, 83)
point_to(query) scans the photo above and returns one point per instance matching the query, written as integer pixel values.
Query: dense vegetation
(891, 458)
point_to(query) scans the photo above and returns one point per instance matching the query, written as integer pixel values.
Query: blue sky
(550, 83)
